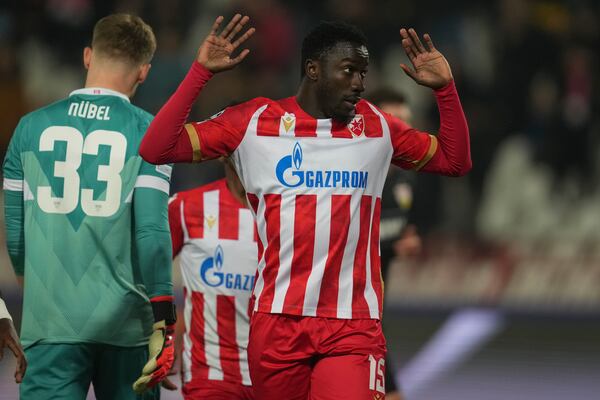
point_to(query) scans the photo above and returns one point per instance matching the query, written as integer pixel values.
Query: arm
(10, 339)
(153, 249)
(167, 138)
(175, 204)
(152, 236)
(451, 154)
(13, 186)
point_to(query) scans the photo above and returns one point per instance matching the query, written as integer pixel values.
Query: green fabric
(65, 371)
(91, 254)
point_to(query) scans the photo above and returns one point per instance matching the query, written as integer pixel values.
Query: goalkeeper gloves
(160, 346)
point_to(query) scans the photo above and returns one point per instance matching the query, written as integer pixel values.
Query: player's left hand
(161, 358)
(430, 67)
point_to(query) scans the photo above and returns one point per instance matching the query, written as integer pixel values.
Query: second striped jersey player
(213, 233)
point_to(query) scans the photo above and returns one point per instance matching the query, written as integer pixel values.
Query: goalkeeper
(88, 234)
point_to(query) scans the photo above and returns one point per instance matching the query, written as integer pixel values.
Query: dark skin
(332, 85)
(10, 339)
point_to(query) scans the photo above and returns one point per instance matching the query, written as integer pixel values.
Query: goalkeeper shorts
(65, 371)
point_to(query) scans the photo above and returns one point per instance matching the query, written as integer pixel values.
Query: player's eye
(347, 70)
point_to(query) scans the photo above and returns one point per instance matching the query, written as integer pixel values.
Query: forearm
(153, 240)
(166, 140)
(453, 155)
(154, 254)
(15, 234)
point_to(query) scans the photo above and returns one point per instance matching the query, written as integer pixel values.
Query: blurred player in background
(397, 237)
(213, 231)
(10, 339)
(87, 230)
(313, 166)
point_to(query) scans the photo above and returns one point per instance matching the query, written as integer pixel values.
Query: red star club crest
(357, 125)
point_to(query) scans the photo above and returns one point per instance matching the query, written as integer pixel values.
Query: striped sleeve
(156, 177)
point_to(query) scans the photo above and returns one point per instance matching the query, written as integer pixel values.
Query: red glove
(160, 346)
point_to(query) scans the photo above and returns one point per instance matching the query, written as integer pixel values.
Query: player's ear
(87, 57)
(311, 69)
(144, 71)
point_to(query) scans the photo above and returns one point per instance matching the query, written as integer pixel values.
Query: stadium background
(511, 251)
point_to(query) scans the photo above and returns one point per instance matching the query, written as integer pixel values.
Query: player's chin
(345, 114)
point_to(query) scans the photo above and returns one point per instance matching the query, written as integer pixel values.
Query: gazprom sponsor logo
(211, 274)
(316, 178)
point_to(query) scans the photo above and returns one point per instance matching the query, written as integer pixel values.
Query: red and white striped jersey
(315, 188)
(215, 237)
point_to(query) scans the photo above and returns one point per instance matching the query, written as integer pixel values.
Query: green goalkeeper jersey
(87, 222)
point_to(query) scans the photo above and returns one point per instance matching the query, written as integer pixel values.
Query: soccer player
(87, 230)
(213, 231)
(9, 338)
(313, 166)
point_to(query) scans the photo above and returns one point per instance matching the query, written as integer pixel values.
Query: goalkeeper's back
(86, 217)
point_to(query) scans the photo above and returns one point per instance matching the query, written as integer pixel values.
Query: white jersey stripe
(369, 294)
(246, 225)
(262, 233)
(323, 128)
(322, 232)
(211, 214)
(152, 182)
(241, 320)
(346, 280)
(287, 210)
(15, 185)
(187, 341)
(211, 338)
(186, 234)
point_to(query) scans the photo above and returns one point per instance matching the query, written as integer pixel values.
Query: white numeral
(376, 374)
(67, 170)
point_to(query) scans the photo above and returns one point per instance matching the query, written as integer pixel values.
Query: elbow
(462, 169)
(147, 153)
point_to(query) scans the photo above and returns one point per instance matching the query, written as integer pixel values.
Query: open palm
(430, 67)
(215, 53)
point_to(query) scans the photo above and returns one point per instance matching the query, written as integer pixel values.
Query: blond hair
(124, 37)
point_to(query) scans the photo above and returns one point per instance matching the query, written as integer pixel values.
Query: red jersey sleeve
(221, 134)
(175, 224)
(448, 153)
(412, 148)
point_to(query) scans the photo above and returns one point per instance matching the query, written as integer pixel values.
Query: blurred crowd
(526, 72)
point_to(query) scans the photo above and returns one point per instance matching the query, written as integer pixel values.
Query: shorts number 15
(376, 374)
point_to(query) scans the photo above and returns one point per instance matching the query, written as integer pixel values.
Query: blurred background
(504, 300)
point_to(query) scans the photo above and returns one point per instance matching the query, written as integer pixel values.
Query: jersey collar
(99, 91)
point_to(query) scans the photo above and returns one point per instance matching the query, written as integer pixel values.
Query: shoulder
(197, 192)
(249, 107)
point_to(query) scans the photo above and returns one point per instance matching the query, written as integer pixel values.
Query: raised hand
(215, 53)
(430, 67)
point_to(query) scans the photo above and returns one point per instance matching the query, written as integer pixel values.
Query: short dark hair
(325, 36)
(125, 37)
(385, 95)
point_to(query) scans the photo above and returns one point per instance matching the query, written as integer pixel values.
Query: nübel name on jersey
(211, 274)
(316, 179)
(86, 109)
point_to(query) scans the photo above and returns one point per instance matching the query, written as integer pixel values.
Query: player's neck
(116, 79)
(308, 100)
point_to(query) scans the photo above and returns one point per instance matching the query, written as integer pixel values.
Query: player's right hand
(215, 53)
(10, 339)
